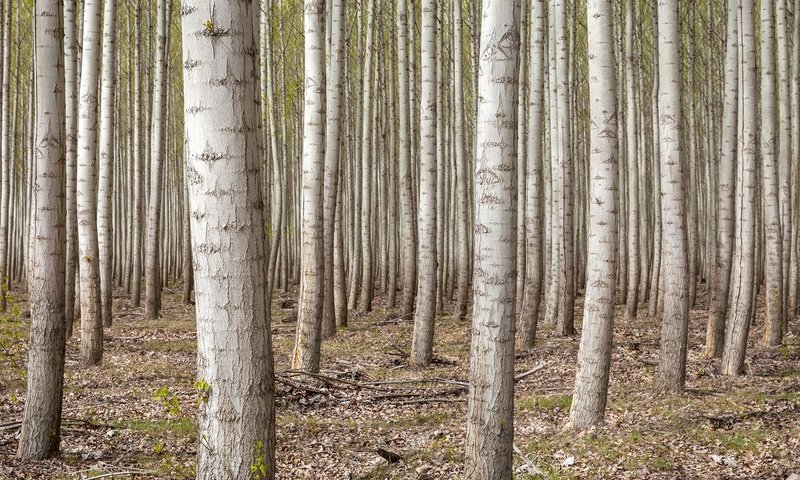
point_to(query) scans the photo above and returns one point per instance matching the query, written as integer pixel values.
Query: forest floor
(135, 412)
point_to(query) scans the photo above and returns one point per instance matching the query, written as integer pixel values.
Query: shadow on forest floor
(135, 413)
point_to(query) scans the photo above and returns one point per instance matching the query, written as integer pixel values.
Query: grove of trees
(531, 168)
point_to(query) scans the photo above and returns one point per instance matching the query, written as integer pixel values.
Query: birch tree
(743, 271)
(152, 250)
(71, 100)
(772, 220)
(106, 167)
(671, 372)
(490, 412)
(425, 313)
(309, 319)
(405, 132)
(594, 355)
(236, 421)
(726, 189)
(534, 191)
(41, 423)
(88, 251)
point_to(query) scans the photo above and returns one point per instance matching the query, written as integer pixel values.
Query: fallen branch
(327, 378)
(10, 425)
(429, 400)
(119, 474)
(301, 386)
(530, 372)
(533, 468)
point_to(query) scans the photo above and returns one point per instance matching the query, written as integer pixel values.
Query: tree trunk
(490, 416)
(309, 318)
(41, 423)
(671, 372)
(152, 271)
(726, 190)
(594, 354)
(534, 191)
(71, 100)
(237, 419)
(632, 157)
(422, 340)
(105, 241)
(772, 221)
(88, 251)
(407, 212)
(743, 272)
(334, 111)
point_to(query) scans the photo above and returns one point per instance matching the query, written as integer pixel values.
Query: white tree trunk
(671, 372)
(88, 251)
(490, 416)
(632, 158)
(334, 111)
(309, 319)
(104, 234)
(405, 132)
(594, 354)
(744, 258)
(422, 340)
(771, 193)
(152, 269)
(71, 100)
(534, 191)
(726, 189)
(41, 423)
(236, 423)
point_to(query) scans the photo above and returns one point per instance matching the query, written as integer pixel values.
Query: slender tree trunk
(309, 319)
(407, 212)
(5, 150)
(422, 340)
(671, 372)
(104, 234)
(785, 150)
(743, 271)
(726, 190)
(594, 354)
(91, 319)
(157, 152)
(772, 221)
(71, 80)
(462, 212)
(41, 422)
(138, 179)
(632, 157)
(334, 111)
(534, 191)
(367, 280)
(490, 415)
(237, 420)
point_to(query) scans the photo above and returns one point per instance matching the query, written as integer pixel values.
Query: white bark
(309, 320)
(490, 417)
(41, 423)
(422, 340)
(104, 234)
(671, 372)
(157, 151)
(743, 272)
(594, 354)
(771, 194)
(726, 189)
(88, 251)
(236, 423)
